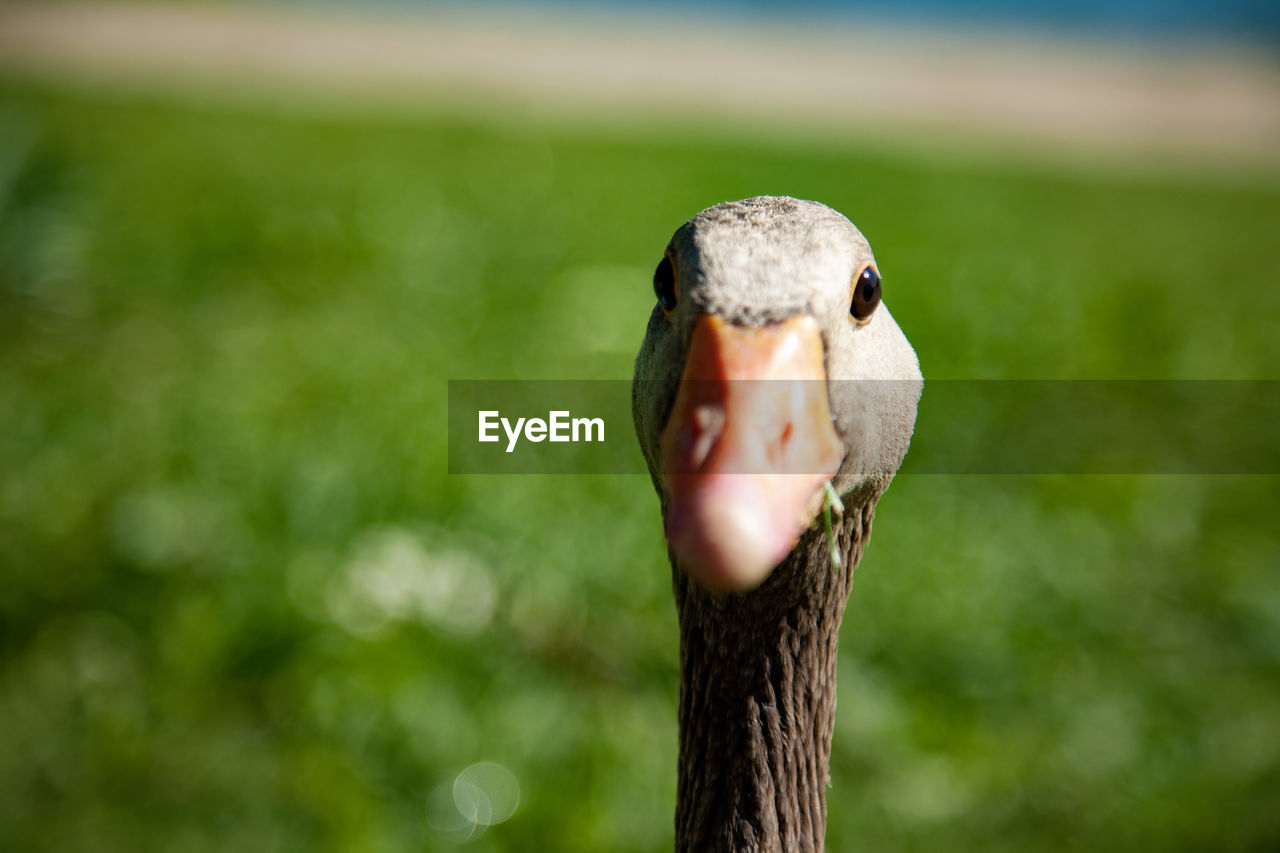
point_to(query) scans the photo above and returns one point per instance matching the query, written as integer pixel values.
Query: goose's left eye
(664, 284)
(866, 295)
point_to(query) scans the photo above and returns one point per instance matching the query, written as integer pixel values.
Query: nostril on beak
(707, 424)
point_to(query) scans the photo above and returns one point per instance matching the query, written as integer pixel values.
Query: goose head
(758, 383)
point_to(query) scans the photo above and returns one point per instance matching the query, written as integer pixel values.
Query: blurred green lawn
(245, 608)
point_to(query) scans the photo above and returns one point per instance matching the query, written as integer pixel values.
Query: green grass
(245, 608)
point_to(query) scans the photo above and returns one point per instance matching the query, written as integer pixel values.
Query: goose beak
(747, 448)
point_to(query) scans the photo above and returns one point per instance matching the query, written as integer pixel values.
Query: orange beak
(747, 449)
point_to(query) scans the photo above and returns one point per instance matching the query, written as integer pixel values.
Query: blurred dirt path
(1219, 103)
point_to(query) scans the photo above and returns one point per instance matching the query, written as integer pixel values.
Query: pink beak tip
(727, 534)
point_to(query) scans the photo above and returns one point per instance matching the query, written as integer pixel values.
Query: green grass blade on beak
(831, 503)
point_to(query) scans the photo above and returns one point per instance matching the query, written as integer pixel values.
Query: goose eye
(866, 295)
(664, 283)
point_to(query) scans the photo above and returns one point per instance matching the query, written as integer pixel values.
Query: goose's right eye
(866, 295)
(664, 284)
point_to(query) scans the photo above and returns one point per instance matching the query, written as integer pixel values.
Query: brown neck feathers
(757, 700)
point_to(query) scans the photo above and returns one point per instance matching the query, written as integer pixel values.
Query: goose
(754, 410)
